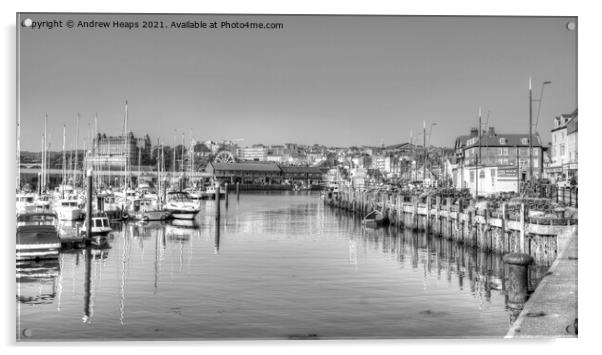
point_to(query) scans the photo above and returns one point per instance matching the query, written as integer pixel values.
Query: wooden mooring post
(226, 195)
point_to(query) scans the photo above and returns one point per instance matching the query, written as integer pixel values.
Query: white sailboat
(67, 204)
(181, 205)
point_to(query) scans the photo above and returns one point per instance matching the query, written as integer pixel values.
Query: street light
(531, 122)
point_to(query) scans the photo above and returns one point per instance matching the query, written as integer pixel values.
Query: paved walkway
(552, 309)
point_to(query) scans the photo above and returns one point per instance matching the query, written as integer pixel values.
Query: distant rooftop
(246, 166)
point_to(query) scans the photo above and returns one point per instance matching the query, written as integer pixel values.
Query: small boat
(25, 203)
(37, 236)
(143, 189)
(146, 209)
(374, 219)
(210, 191)
(68, 209)
(195, 194)
(100, 225)
(181, 206)
(43, 203)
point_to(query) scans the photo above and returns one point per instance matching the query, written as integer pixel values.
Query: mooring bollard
(226, 194)
(89, 207)
(518, 278)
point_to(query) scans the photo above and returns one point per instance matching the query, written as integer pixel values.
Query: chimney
(491, 131)
(474, 132)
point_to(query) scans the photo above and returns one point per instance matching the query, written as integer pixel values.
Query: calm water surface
(280, 265)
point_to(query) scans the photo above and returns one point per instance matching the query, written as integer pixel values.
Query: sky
(333, 80)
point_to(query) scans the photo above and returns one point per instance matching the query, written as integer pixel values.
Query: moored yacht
(68, 209)
(37, 236)
(100, 225)
(43, 203)
(25, 203)
(147, 209)
(181, 205)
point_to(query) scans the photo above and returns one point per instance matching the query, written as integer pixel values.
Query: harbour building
(495, 162)
(563, 148)
(113, 151)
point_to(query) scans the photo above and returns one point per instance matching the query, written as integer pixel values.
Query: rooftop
(301, 169)
(246, 166)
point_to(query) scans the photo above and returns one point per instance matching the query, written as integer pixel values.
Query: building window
(503, 140)
(503, 161)
(472, 176)
(524, 141)
(562, 149)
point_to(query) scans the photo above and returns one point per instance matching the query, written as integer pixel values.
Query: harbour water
(280, 265)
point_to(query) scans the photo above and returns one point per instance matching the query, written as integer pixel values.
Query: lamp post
(531, 122)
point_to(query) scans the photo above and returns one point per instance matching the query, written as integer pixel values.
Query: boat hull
(151, 215)
(68, 214)
(38, 253)
(183, 214)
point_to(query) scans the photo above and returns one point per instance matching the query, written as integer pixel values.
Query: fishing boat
(37, 236)
(210, 192)
(181, 206)
(125, 194)
(43, 203)
(25, 203)
(143, 189)
(100, 225)
(68, 208)
(195, 194)
(374, 219)
(147, 209)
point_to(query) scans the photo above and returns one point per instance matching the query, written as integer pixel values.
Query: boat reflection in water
(278, 265)
(37, 281)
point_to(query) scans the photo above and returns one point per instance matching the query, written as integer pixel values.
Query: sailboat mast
(18, 150)
(95, 149)
(76, 151)
(182, 163)
(139, 160)
(162, 167)
(64, 160)
(126, 150)
(173, 170)
(44, 154)
(191, 152)
(109, 164)
(70, 164)
(158, 174)
(41, 173)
